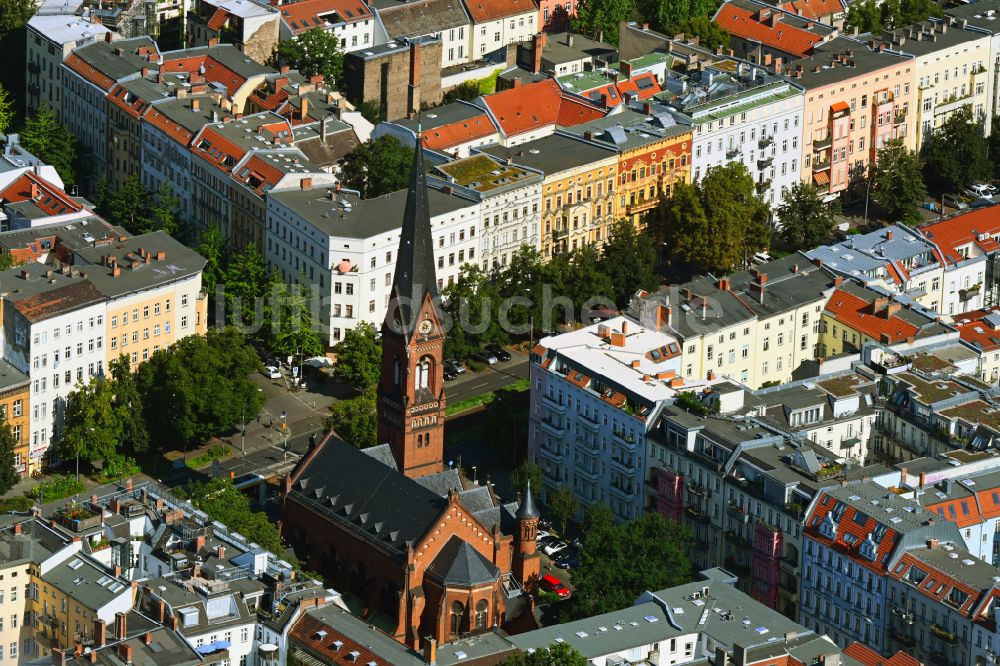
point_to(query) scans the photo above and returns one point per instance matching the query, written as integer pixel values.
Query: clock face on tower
(426, 327)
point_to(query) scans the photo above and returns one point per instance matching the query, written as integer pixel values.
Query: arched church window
(457, 610)
(481, 611)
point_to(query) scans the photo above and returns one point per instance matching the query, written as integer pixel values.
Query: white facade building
(50, 39)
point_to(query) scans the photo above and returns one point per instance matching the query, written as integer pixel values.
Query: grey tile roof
(117, 59)
(419, 17)
(178, 262)
(553, 154)
(458, 563)
(984, 14)
(918, 38)
(865, 62)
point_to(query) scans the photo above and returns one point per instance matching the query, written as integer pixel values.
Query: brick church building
(420, 547)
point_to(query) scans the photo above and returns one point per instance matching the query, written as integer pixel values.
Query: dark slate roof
(415, 19)
(442, 482)
(415, 277)
(373, 499)
(458, 563)
(527, 508)
(382, 453)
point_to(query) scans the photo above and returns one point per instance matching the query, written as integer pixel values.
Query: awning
(839, 106)
(821, 178)
(214, 646)
(305, 658)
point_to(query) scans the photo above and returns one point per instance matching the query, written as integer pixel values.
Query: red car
(550, 583)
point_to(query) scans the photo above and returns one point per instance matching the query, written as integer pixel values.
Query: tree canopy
(49, 141)
(875, 17)
(220, 499)
(6, 110)
(127, 404)
(294, 330)
(618, 562)
(141, 211)
(628, 258)
(806, 220)
(359, 355)
(8, 444)
(378, 167)
(667, 17)
(897, 185)
(957, 153)
(315, 52)
(601, 17)
(213, 248)
(523, 473)
(355, 419)
(717, 223)
(558, 654)
(564, 506)
(91, 428)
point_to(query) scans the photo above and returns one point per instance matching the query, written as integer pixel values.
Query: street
(470, 384)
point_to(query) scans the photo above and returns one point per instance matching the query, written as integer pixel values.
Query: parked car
(568, 559)
(982, 202)
(449, 375)
(272, 372)
(541, 534)
(485, 357)
(454, 366)
(954, 201)
(981, 190)
(550, 583)
(499, 352)
(554, 547)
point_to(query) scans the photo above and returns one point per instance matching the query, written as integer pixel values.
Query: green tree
(199, 387)
(315, 52)
(8, 475)
(806, 221)
(667, 17)
(585, 281)
(594, 17)
(558, 654)
(866, 16)
(295, 332)
(620, 562)
(897, 185)
(126, 205)
(14, 15)
(522, 474)
(355, 419)
(718, 223)
(49, 141)
(471, 304)
(359, 355)
(6, 110)
(912, 11)
(91, 428)
(220, 499)
(520, 279)
(709, 33)
(128, 405)
(247, 286)
(956, 153)
(213, 249)
(378, 167)
(564, 506)
(628, 258)
(161, 211)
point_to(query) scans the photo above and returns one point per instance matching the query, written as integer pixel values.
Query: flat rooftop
(483, 174)
(554, 153)
(63, 29)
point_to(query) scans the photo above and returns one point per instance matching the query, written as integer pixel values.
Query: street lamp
(243, 433)
(474, 475)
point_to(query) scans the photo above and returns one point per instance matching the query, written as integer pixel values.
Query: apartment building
(680, 626)
(950, 68)
(749, 519)
(89, 74)
(50, 40)
(532, 111)
(856, 315)
(593, 392)
(853, 537)
(15, 408)
(559, 53)
(654, 153)
(400, 22)
(454, 129)
(981, 16)
(345, 247)
(857, 98)
(577, 189)
(965, 244)
(758, 326)
(250, 26)
(979, 330)
(497, 23)
(353, 23)
(737, 112)
(510, 201)
(765, 34)
(35, 196)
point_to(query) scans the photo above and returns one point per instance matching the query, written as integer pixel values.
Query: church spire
(415, 277)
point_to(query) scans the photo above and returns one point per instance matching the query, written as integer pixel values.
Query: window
(457, 610)
(481, 613)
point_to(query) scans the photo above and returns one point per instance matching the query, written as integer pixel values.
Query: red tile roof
(938, 584)
(169, 127)
(215, 71)
(528, 107)
(974, 330)
(775, 34)
(257, 174)
(218, 19)
(632, 86)
(869, 657)
(119, 96)
(307, 14)
(217, 149)
(813, 9)
(979, 228)
(963, 511)
(47, 196)
(89, 72)
(483, 11)
(856, 313)
(317, 638)
(454, 134)
(848, 525)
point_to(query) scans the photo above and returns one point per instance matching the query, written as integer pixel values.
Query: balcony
(621, 465)
(899, 117)
(735, 567)
(821, 165)
(765, 162)
(554, 403)
(737, 539)
(699, 490)
(552, 428)
(590, 421)
(622, 488)
(904, 616)
(763, 185)
(824, 143)
(765, 141)
(943, 635)
(624, 439)
(587, 472)
(732, 153)
(902, 638)
(697, 515)
(551, 450)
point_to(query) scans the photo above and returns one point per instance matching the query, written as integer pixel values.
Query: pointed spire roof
(415, 276)
(527, 508)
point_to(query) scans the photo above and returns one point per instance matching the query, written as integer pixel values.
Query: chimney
(414, 88)
(923, 479)
(626, 68)
(161, 610)
(537, 49)
(888, 234)
(305, 108)
(220, 552)
(199, 543)
(779, 67)
(306, 183)
(723, 284)
(58, 657)
(195, 105)
(624, 327)
(213, 41)
(932, 544)
(120, 626)
(125, 652)
(17, 528)
(662, 317)
(569, 40)
(148, 638)
(430, 651)
(100, 633)
(837, 281)
(107, 36)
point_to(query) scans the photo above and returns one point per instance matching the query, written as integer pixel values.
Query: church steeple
(411, 397)
(415, 277)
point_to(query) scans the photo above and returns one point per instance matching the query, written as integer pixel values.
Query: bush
(118, 467)
(215, 452)
(15, 504)
(475, 366)
(58, 487)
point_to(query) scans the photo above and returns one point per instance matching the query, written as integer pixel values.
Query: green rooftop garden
(480, 173)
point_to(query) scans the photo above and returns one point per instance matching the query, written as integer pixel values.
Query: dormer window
(868, 549)
(828, 528)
